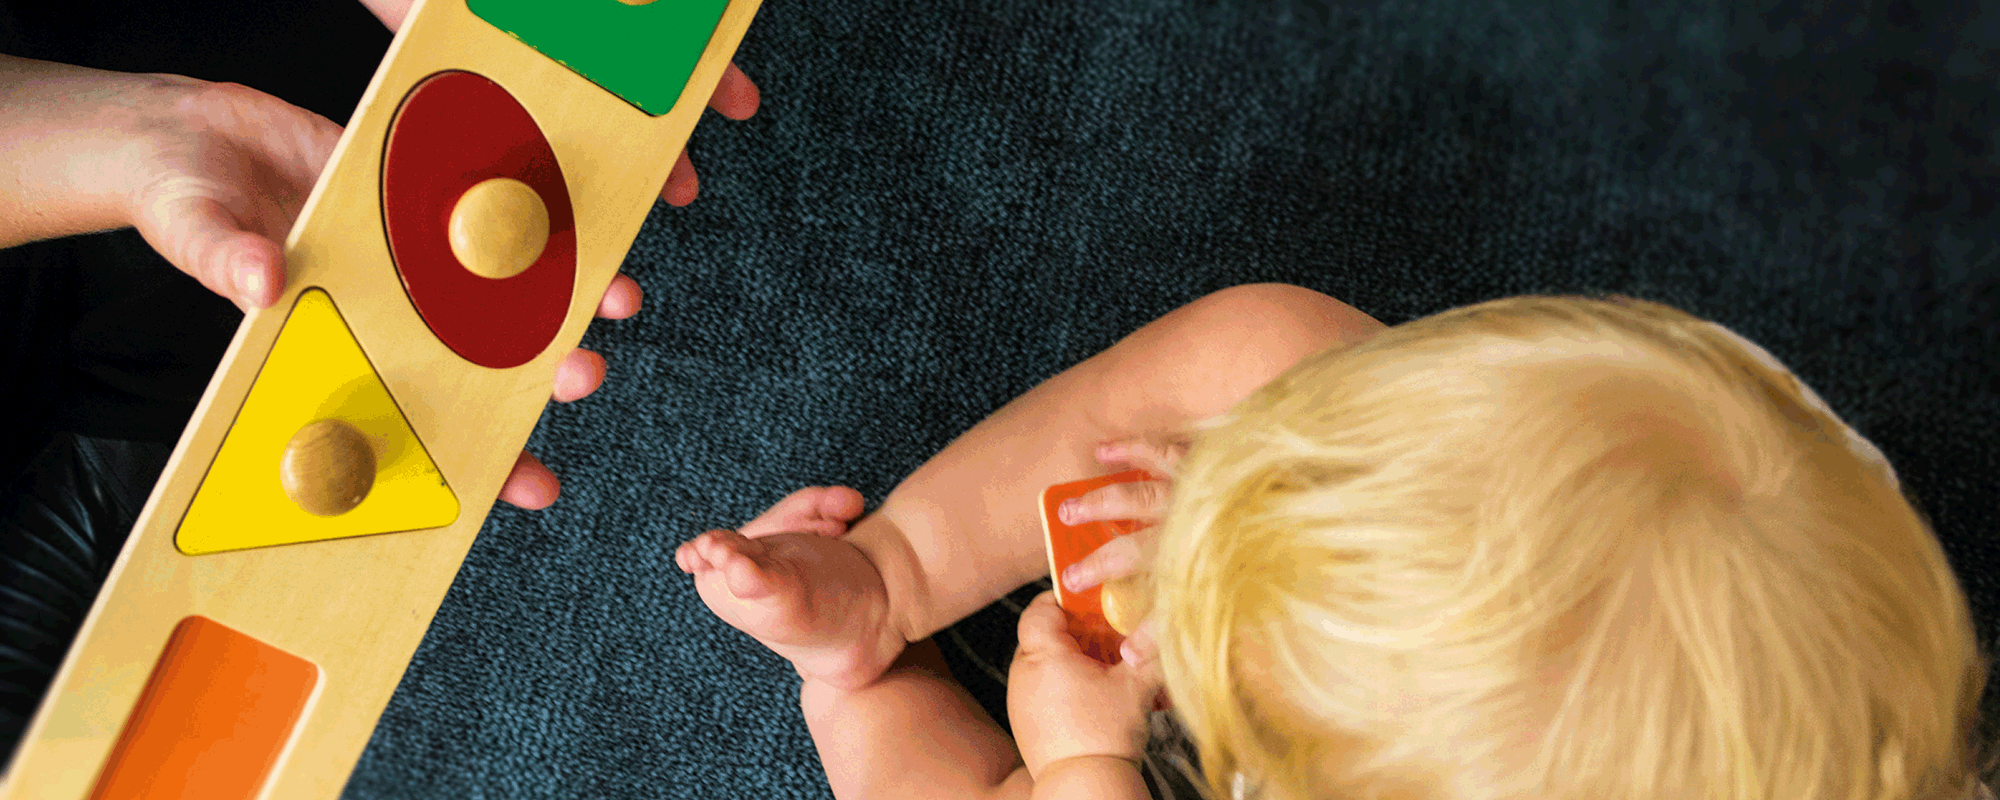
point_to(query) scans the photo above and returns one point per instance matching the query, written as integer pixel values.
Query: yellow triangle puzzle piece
(315, 371)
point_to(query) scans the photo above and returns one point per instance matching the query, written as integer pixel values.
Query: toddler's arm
(963, 529)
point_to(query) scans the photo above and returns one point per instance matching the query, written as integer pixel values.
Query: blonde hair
(1557, 548)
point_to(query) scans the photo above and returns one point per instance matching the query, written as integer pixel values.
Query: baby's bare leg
(914, 733)
(962, 531)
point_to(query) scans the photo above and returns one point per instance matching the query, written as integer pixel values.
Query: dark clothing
(107, 339)
(106, 346)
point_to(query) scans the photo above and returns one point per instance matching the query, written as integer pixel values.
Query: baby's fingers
(530, 485)
(1044, 630)
(1143, 500)
(1117, 558)
(1157, 455)
(1141, 650)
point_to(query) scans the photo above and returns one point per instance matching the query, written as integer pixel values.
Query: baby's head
(1558, 548)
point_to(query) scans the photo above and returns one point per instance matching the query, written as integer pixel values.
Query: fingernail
(249, 280)
(1107, 451)
(1067, 511)
(1127, 653)
(1069, 579)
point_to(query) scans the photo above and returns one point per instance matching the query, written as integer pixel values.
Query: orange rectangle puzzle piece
(1068, 544)
(212, 720)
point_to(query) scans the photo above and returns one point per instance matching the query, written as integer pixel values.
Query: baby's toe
(840, 503)
(714, 548)
(794, 514)
(746, 575)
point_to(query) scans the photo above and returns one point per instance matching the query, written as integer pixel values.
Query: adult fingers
(1121, 556)
(198, 235)
(736, 96)
(530, 485)
(621, 299)
(784, 514)
(682, 185)
(841, 503)
(579, 374)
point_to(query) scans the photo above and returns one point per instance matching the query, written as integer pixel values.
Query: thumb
(1044, 628)
(200, 237)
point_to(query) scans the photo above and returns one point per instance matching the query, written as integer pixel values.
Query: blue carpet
(942, 204)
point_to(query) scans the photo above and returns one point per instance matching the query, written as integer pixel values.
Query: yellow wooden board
(315, 371)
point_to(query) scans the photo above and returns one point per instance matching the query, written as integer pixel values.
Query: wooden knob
(328, 468)
(499, 228)
(1123, 607)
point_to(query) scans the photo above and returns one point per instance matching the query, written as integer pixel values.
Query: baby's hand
(1142, 501)
(1067, 705)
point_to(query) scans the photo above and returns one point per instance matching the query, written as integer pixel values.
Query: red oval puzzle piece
(454, 130)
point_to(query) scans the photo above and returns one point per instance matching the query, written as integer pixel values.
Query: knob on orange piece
(1123, 604)
(328, 468)
(499, 228)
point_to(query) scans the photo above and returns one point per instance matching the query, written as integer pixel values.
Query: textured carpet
(942, 204)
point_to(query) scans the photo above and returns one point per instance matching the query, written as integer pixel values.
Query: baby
(1537, 547)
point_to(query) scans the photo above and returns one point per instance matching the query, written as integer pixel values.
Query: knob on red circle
(454, 131)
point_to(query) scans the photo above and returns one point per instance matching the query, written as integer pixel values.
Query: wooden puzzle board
(356, 608)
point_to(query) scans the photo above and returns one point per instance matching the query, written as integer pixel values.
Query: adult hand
(221, 180)
(212, 176)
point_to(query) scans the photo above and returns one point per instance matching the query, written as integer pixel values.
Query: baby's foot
(789, 581)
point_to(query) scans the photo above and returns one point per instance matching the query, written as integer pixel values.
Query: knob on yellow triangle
(318, 451)
(328, 468)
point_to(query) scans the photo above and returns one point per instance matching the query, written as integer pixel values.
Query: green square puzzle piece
(642, 53)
